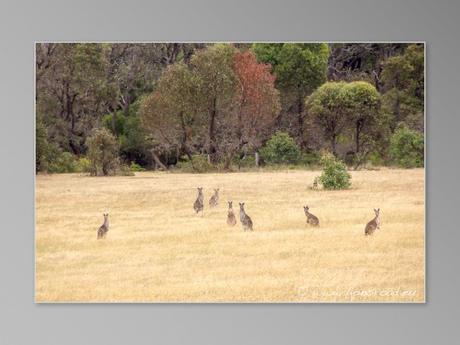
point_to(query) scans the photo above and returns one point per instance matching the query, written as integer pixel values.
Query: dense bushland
(213, 107)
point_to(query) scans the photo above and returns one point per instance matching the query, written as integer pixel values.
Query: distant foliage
(102, 153)
(404, 83)
(41, 146)
(83, 165)
(281, 149)
(124, 170)
(299, 69)
(339, 108)
(335, 174)
(130, 134)
(198, 164)
(309, 158)
(165, 101)
(134, 167)
(64, 163)
(406, 148)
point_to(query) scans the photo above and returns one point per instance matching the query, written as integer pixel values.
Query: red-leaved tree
(257, 102)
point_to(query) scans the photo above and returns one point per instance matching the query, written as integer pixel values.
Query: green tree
(403, 78)
(41, 146)
(131, 134)
(363, 102)
(329, 107)
(281, 149)
(102, 152)
(172, 114)
(406, 147)
(71, 89)
(214, 68)
(299, 69)
(340, 107)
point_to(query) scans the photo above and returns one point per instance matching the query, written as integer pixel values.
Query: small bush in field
(335, 174)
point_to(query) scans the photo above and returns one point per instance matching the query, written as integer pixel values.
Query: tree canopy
(167, 103)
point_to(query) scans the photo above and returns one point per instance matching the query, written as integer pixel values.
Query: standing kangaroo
(231, 219)
(245, 219)
(198, 204)
(311, 218)
(373, 224)
(104, 227)
(214, 201)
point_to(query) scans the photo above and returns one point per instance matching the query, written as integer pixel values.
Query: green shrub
(335, 174)
(64, 162)
(280, 149)
(136, 167)
(124, 170)
(309, 158)
(248, 161)
(83, 165)
(406, 148)
(41, 146)
(199, 164)
(102, 152)
(376, 159)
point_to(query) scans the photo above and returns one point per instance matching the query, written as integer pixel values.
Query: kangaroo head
(200, 189)
(230, 204)
(242, 206)
(106, 215)
(216, 191)
(306, 208)
(377, 212)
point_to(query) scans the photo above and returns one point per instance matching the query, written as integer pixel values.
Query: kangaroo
(245, 219)
(311, 218)
(231, 219)
(104, 227)
(373, 224)
(198, 204)
(214, 201)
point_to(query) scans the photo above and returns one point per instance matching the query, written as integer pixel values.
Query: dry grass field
(158, 250)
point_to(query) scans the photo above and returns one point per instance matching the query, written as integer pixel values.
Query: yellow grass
(158, 250)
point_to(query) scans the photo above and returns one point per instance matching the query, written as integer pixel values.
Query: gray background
(23, 322)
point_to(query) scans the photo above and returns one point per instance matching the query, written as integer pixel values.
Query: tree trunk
(158, 161)
(212, 124)
(334, 144)
(358, 132)
(397, 107)
(228, 161)
(300, 120)
(256, 158)
(114, 127)
(184, 146)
